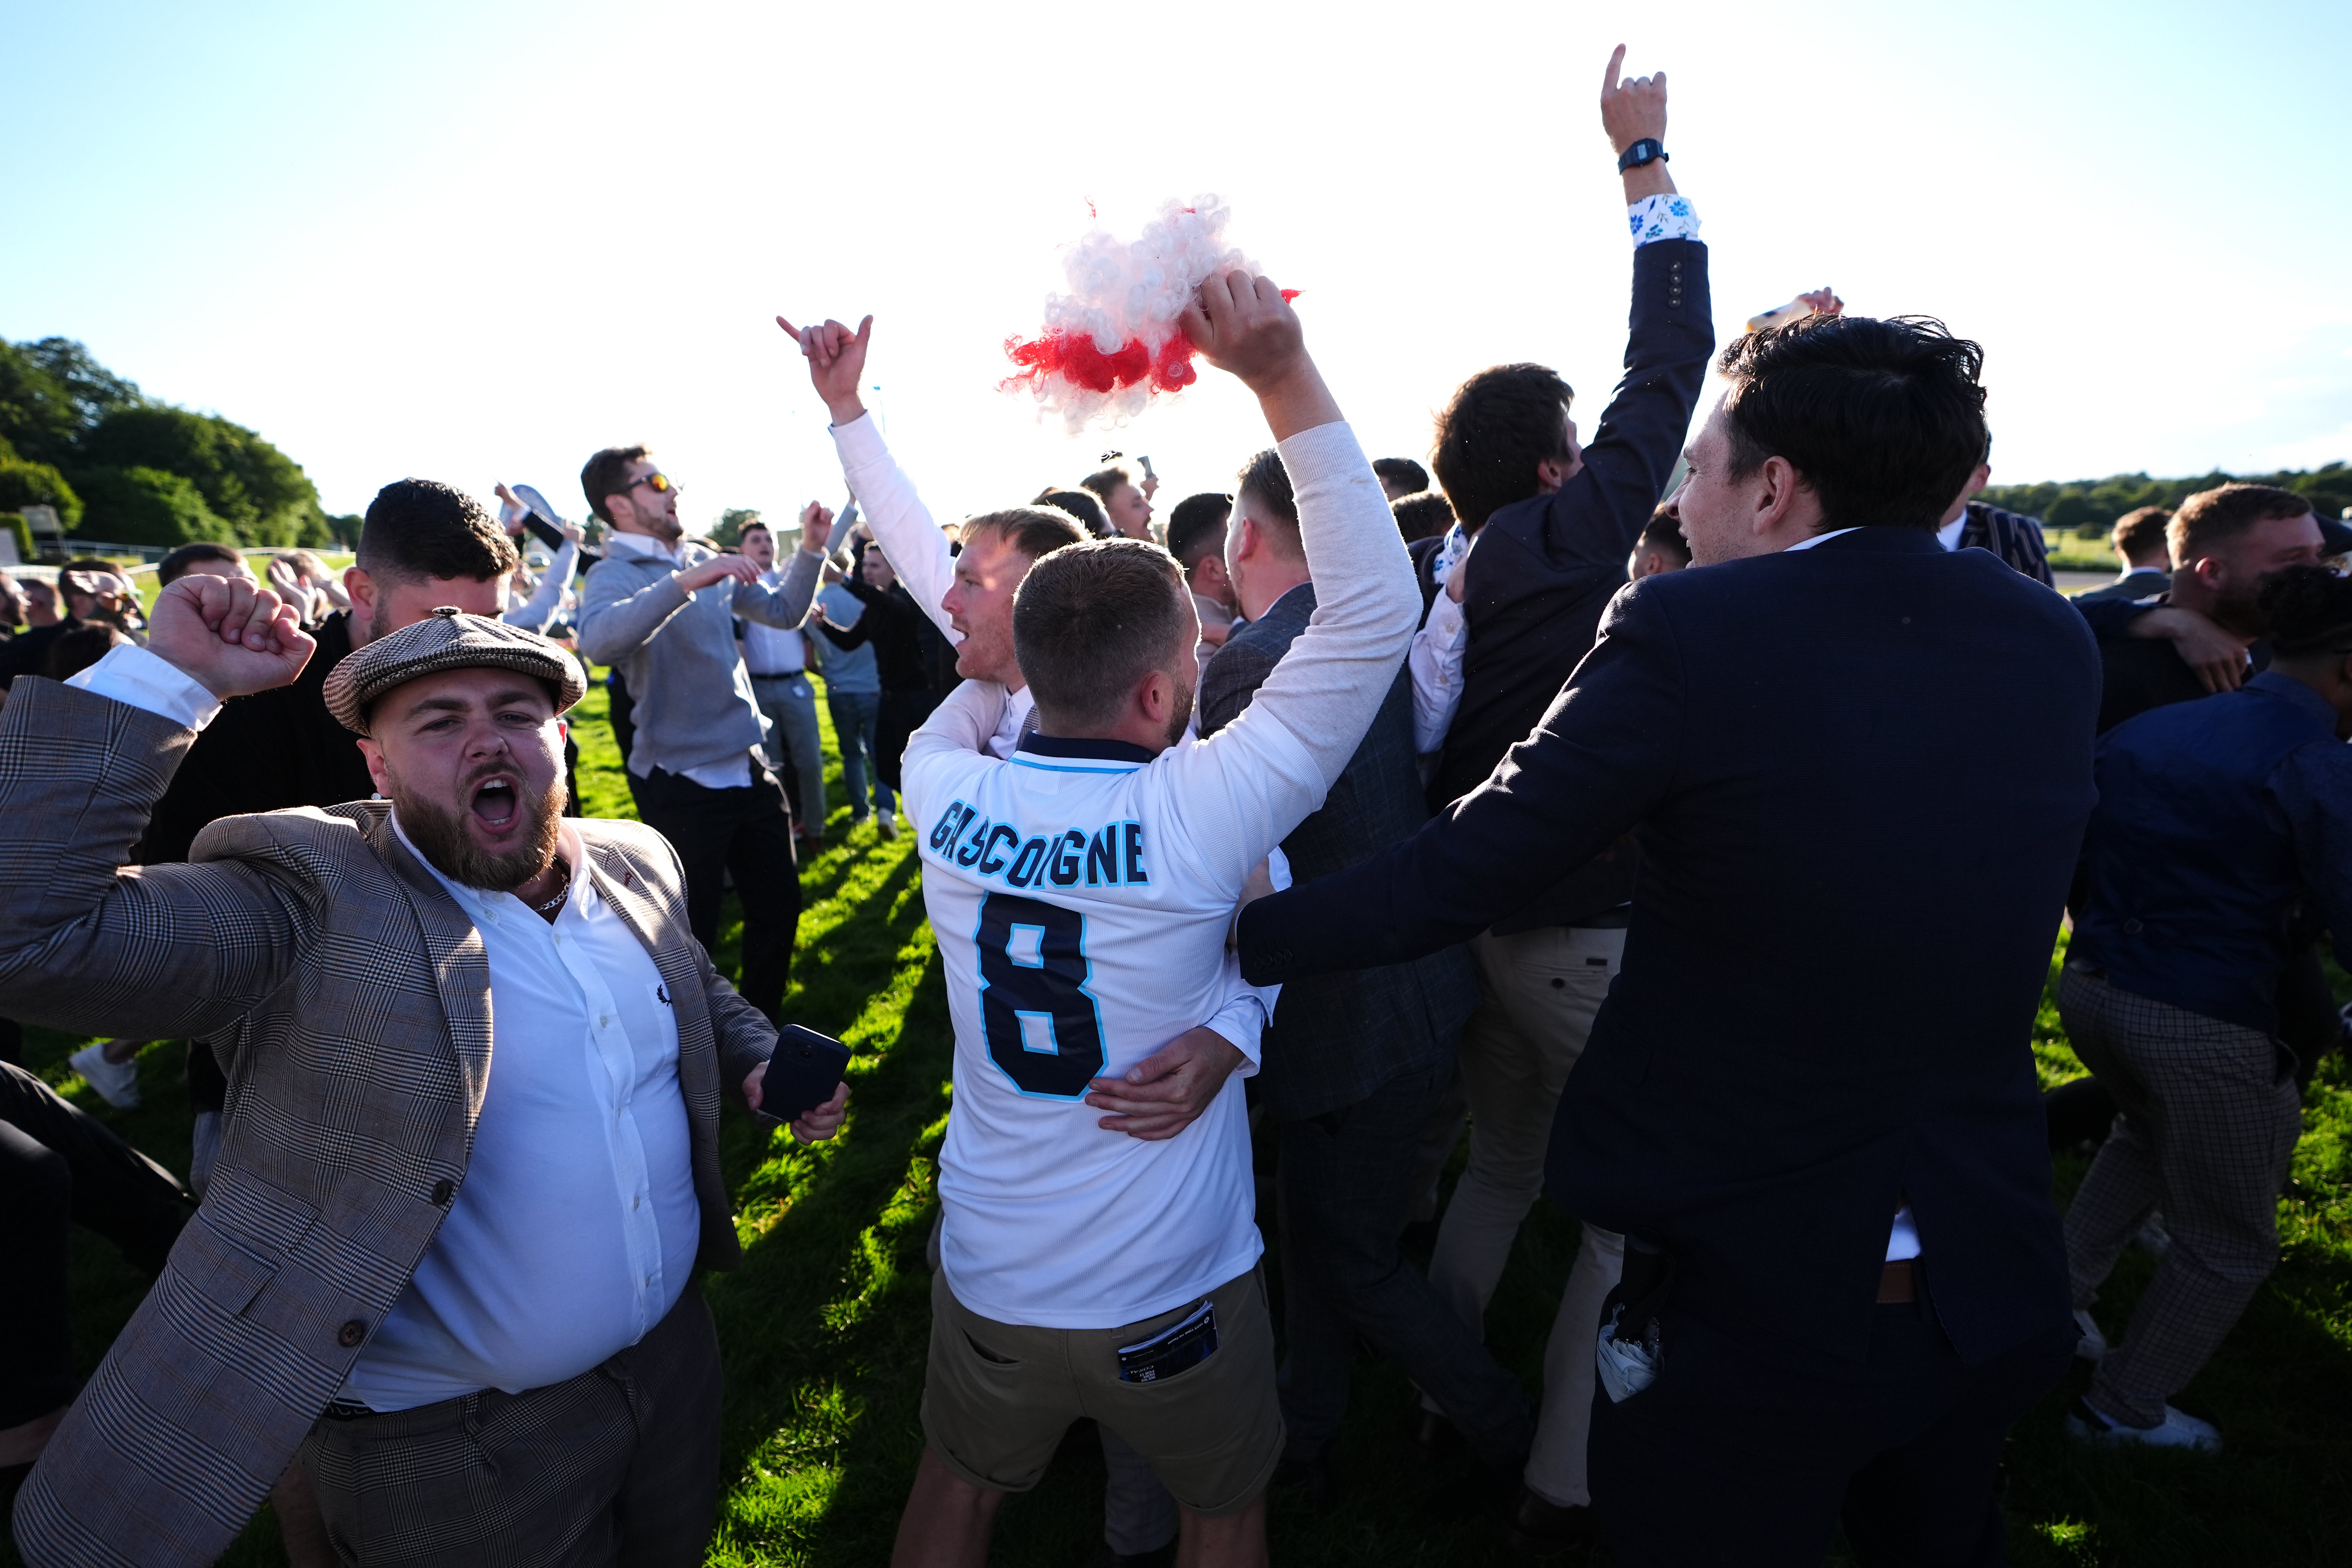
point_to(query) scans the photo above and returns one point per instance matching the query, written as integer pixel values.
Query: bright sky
(476, 240)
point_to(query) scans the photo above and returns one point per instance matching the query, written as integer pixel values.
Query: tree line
(123, 468)
(2089, 508)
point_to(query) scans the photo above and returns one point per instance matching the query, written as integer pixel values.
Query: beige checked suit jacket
(349, 999)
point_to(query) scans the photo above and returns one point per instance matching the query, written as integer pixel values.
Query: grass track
(823, 1328)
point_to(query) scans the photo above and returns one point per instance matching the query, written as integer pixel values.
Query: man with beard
(463, 1295)
(662, 609)
(2195, 640)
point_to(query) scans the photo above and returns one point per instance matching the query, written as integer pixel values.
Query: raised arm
(550, 593)
(1275, 762)
(1599, 508)
(786, 604)
(901, 522)
(92, 946)
(1592, 768)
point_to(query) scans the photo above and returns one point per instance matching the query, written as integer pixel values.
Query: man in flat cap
(465, 1295)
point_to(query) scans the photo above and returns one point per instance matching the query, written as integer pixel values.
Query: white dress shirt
(575, 1229)
(771, 650)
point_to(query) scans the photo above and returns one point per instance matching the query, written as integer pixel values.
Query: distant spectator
(1971, 524)
(892, 623)
(1196, 537)
(778, 660)
(80, 648)
(2139, 538)
(853, 694)
(664, 609)
(1662, 547)
(1400, 478)
(40, 604)
(1421, 514)
(217, 560)
(11, 606)
(1082, 505)
(1120, 488)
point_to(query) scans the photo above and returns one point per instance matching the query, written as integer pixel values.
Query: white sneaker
(2177, 1430)
(116, 1083)
(2093, 1344)
(889, 824)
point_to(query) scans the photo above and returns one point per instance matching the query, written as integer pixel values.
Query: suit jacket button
(443, 1191)
(2131, 928)
(350, 1333)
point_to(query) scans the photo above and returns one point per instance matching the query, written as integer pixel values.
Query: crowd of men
(1337, 812)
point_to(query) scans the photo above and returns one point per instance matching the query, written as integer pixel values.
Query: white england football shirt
(1081, 893)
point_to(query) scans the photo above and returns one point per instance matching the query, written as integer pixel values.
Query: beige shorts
(997, 1396)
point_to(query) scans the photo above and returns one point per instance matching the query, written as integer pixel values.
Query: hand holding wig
(1113, 342)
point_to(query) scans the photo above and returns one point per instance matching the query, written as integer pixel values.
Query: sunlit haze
(476, 241)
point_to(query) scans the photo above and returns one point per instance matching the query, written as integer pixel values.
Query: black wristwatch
(1648, 150)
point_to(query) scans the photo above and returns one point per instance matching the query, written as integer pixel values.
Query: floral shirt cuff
(1669, 216)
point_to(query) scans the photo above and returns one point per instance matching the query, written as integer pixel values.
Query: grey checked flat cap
(448, 639)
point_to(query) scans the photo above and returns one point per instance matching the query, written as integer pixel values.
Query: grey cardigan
(677, 650)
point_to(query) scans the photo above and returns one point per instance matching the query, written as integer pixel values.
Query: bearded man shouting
(470, 1160)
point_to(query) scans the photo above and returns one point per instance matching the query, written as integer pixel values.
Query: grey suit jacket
(1334, 1038)
(349, 999)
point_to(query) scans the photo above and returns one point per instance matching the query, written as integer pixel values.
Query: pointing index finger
(1609, 76)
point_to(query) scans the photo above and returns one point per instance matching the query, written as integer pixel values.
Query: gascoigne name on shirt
(1109, 857)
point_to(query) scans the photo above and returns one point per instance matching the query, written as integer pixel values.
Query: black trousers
(1731, 1457)
(1343, 1184)
(741, 832)
(903, 713)
(57, 1165)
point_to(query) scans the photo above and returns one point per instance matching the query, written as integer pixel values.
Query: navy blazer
(1545, 568)
(1861, 774)
(1336, 1038)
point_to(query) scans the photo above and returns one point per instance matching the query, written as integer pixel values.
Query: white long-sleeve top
(918, 551)
(547, 597)
(1081, 894)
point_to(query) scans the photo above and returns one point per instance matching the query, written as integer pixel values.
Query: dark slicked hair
(1883, 418)
(1196, 525)
(1083, 506)
(1404, 472)
(1091, 620)
(1423, 516)
(421, 529)
(1491, 434)
(607, 473)
(178, 564)
(1265, 479)
(2140, 531)
(2217, 516)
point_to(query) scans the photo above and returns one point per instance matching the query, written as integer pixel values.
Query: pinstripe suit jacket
(349, 998)
(1336, 1038)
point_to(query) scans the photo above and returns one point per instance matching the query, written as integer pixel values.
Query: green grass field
(825, 1326)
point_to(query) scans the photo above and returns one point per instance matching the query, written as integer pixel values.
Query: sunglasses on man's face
(659, 481)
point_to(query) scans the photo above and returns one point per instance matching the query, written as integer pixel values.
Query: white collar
(1818, 538)
(638, 545)
(475, 899)
(1948, 536)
